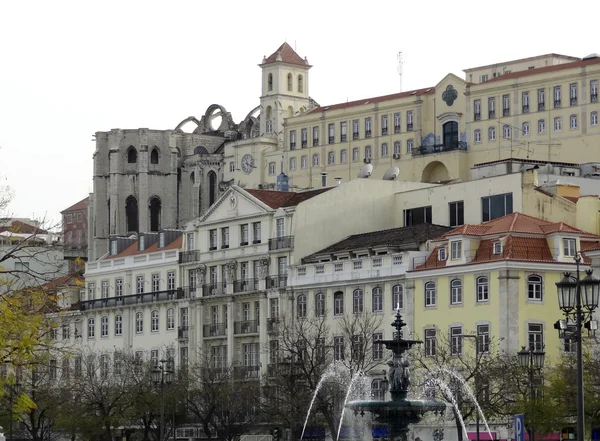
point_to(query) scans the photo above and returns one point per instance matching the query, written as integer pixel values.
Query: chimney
(338, 181)
(323, 179)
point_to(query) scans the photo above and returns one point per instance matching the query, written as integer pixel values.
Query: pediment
(234, 203)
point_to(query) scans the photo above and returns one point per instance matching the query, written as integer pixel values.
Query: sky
(71, 68)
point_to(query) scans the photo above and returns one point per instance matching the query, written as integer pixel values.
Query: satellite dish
(365, 171)
(391, 174)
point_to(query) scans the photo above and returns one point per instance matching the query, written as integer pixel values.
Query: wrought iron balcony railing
(280, 243)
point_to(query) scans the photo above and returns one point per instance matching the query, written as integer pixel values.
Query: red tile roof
(541, 70)
(377, 99)
(16, 226)
(287, 54)
(277, 199)
(132, 250)
(81, 205)
(71, 279)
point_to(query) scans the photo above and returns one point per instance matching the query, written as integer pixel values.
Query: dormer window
(497, 247)
(569, 247)
(442, 254)
(113, 248)
(456, 249)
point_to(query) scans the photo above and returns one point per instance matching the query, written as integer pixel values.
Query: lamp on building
(161, 377)
(578, 298)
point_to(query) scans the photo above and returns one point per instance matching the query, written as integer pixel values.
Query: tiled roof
(16, 226)
(277, 199)
(132, 250)
(81, 205)
(408, 238)
(288, 55)
(541, 70)
(71, 279)
(377, 99)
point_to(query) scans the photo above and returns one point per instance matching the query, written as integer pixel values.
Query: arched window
(315, 160)
(155, 207)
(450, 130)
(397, 297)
(338, 303)
(455, 292)
(212, 187)
(231, 167)
(118, 325)
(170, 319)
(384, 149)
(289, 83)
(131, 214)
(104, 326)
(131, 155)
(573, 122)
(300, 84)
(357, 301)
(270, 82)
(91, 328)
(397, 148)
(193, 178)
(154, 156)
(477, 136)
(430, 294)
(368, 152)
(593, 119)
(378, 389)
(301, 306)
(154, 321)
(492, 134)
(304, 162)
(331, 158)
(139, 323)
(506, 131)
(525, 128)
(292, 164)
(483, 290)
(377, 299)
(200, 150)
(320, 305)
(355, 154)
(534, 287)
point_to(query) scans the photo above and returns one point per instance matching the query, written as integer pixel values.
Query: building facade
(75, 230)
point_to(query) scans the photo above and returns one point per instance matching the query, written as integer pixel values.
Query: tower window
(131, 155)
(154, 156)
(289, 78)
(155, 209)
(300, 84)
(131, 212)
(212, 187)
(270, 82)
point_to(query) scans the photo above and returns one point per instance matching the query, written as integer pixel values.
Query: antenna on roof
(400, 67)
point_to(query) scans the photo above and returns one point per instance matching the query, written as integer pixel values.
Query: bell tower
(284, 88)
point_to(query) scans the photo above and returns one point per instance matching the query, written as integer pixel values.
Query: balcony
(541, 106)
(134, 299)
(276, 281)
(343, 138)
(505, 112)
(189, 256)
(557, 104)
(305, 143)
(594, 98)
(525, 108)
(245, 285)
(245, 327)
(355, 136)
(367, 133)
(214, 289)
(273, 325)
(384, 131)
(315, 142)
(292, 146)
(396, 129)
(331, 139)
(439, 148)
(281, 243)
(409, 127)
(183, 332)
(215, 330)
(573, 101)
(246, 371)
(491, 114)
(477, 116)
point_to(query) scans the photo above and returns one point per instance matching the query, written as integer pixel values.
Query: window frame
(482, 289)
(430, 293)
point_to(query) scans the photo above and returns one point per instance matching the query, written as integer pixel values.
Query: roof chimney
(323, 179)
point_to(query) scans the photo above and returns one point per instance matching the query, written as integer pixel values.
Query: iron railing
(245, 285)
(439, 148)
(281, 243)
(214, 330)
(133, 299)
(276, 281)
(189, 256)
(245, 327)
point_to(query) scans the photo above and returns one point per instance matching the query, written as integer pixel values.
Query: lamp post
(578, 298)
(476, 337)
(161, 376)
(532, 360)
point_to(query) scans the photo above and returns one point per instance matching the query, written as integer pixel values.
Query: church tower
(284, 88)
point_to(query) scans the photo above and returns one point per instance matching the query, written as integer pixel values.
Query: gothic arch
(212, 188)
(200, 150)
(131, 214)
(155, 209)
(185, 121)
(131, 155)
(154, 155)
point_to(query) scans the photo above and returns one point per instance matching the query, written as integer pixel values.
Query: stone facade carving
(265, 261)
(230, 270)
(201, 274)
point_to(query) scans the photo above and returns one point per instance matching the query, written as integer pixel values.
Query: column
(263, 335)
(230, 331)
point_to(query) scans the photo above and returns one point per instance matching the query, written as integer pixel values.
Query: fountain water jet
(352, 381)
(329, 372)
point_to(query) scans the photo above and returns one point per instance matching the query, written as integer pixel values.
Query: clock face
(247, 164)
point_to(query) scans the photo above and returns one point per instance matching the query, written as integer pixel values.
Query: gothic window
(450, 135)
(212, 187)
(155, 211)
(300, 84)
(200, 150)
(270, 82)
(131, 213)
(131, 155)
(289, 82)
(154, 156)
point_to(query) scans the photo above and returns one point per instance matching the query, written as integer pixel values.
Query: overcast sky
(69, 69)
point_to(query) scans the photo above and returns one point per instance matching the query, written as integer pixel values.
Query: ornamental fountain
(400, 411)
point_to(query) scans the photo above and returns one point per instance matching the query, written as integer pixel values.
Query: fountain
(401, 411)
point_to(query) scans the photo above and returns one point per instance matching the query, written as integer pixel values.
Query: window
(409, 145)
(304, 137)
(289, 82)
(430, 342)
(251, 354)
(343, 156)
(338, 348)
(213, 239)
(573, 94)
(505, 105)
(377, 300)
(557, 97)
(483, 291)
(357, 301)
(315, 135)
(355, 129)
(535, 336)
(301, 303)
(118, 325)
(231, 167)
(409, 121)
(417, 216)
(280, 227)
(225, 237)
(154, 321)
(455, 292)
(338, 303)
(69, 237)
(170, 319)
(79, 237)
(131, 155)
(320, 304)
(493, 207)
(569, 247)
(358, 347)
(338, 267)
(300, 84)
(368, 127)
(271, 168)
(292, 164)
(69, 218)
(91, 328)
(104, 289)
(270, 82)
(525, 128)
(331, 158)
(594, 119)
(331, 133)
(292, 139)
(541, 99)
(397, 122)
(139, 323)
(477, 136)
(430, 294)
(483, 338)
(442, 254)
(483, 78)
(534, 287)
(104, 326)
(573, 122)
(594, 91)
(477, 110)
(397, 297)
(497, 247)
(397, 148)
(456, 250)
(355, 154)
(558, 124)
(541, 126)
(66, 332)
(303, 162)
(368, 152)
(384, 149)
(525, 102)
(377, 347)
(256, 232)
(343, 131)
(506, 131)
(269, 125)
(456, 340)
(492, 134)
(155, 282)
(457, 213)
(315, 160)
(491, 107)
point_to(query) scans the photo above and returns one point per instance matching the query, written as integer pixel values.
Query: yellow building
(497, 280)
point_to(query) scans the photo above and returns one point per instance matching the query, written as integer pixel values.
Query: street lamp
(476, 337)
(578, 298)
(533, 361)
(161, 376)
